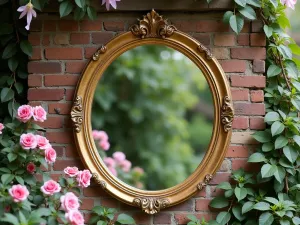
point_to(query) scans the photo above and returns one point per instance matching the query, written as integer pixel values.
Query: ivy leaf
(283, 21)
(247, 207)
(279, 174)
(223, 218)
(277, 128)
(65, 8)
(274, 3)
(125, 219)
(13, 63)
(78, 14)
(291, 68)
(262, 206)
(268, 31)
(296, 220)
(290, 153)
(9, 51)
(266, 147)
(272, 116)
(237, 212)
(7, 94)
(273, 70)
(219, 202)
(19, 87)
(256, 157)
(255, 3)
(240, 193)
(262, 136)
(280, 142)
(241, 2)
(285, 51)
(268, 170)
(224, 186)
(236, 23)
(80, 3)
(248, 12)
(227, 16)
(26, 47)
(92, 14)
(266, 219)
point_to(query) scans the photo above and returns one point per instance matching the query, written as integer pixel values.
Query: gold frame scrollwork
(153, 29)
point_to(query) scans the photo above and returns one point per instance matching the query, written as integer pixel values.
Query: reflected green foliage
(151, 103)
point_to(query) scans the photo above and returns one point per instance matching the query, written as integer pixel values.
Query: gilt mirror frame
(153, 29)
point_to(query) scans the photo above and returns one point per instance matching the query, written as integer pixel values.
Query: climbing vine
(273, 195)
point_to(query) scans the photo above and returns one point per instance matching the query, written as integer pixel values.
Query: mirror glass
(152, 117)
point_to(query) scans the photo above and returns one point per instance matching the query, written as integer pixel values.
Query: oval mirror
(152, 115)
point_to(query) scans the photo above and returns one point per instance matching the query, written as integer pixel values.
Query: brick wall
(61, 48)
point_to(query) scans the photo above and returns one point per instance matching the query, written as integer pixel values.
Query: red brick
(248, 53)
(80, 38)
(36, 54)
(75, 67)
(258, 39)
(102, 37)
(63, 53)
(34, 39)
(203, 38)
(87, 25)
(60, 137)
(240, 94)
(231, 66)
(201, 193)
(182, 218)
(242, 163)
(70, 94)
(224, 40)
(89, 52)
(68, 25)
(248, 81)
(201, 26)
(240, 123)
(59, 150)
(62, 108)
(221, 53)
(61, 80)
(257, 96)
(68, 122)
(202, 204)
(59, 165)
(249, 108)
(94, 191)
(87, 204)
(61, 39)
(110, 202)
(35, 80)
(71, 152)
(50, 25)
(46, 40)
(243, 39)
(237, 152)
(142, 218)
(257, 123)
(259, 66)
(220, 177)
(36, 25)
(185, 206)
(52, 122)
(162, 218)
(214, 191)
(257, 26)
(45, 94)
(114, 25)
(44, 67)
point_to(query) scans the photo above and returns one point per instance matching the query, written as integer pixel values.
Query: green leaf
(283, 21)
(125, 219)
(7, 94)
(9, 218)
(20, 180)
(247, 207)
(219, 202)
(285, 51)
(236, 23)
(11, 157)
(19, 87)
(227, 16)
(223, 218)
(257, 157)
(13, 63)
(274, 3)
(80, 3)
(237, 212)
(92, 14)
(268, 170)
(262, 206)
(65, 8)
(241, 2)
(192, 218)
(12, 108)
(296, 138)
(26, 47)
(279, 174)
(295, 49)
(100, 222)
(290, 153)
(284, 222)
(277, 128)
(266, 147)
(7, 178)
(296, 220)
(273, 70)
(248, 12)
(78, 14)
(240, 193)
(228, 193)
(9, 51)
(255, 3)
(266, 219)
(224, 186)
(262, 136)
(268, 31)
(291, 68)
(280, 142)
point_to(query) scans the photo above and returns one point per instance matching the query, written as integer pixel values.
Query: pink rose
(39, 114)
(69, 202)
(18, 192)
(30, 167)
(100, 135)
(74, 217)
(71, 171)
(50, 155)
(84, 178)
(50, 187)
(125, 165)
(113, 170)
(25, 113)
(109, 162)
(119, 156)
(1, 127)
(289, 3)
(28, 141)
(42, 142)
(104, 145)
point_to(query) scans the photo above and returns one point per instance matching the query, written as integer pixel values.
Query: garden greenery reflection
(157, 110)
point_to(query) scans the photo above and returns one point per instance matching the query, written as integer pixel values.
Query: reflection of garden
(156, 108)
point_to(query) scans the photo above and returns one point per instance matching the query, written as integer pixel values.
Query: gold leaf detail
(203, 184)
(77, 114)
(97, 179)
(153, 25)
(207, 52)
(101, 50)
(227, 114)
(151, 205)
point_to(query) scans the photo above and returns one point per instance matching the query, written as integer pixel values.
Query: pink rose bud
(125, 165)
(113, 170)
(18, 192)
(25, 113)
(28, 141)
(71, 171)
(69, 202)
(74, 217)
(39, 114)
(50, 187)
(109, 162)
(42, 142)
(119, 156)
(30, 167)
(84, 178)
(1, 127)
(50, 155)
(104, 145)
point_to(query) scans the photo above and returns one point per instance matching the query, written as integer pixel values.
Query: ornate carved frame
(153, 29)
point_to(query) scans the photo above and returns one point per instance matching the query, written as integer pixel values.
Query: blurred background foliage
(157, 108)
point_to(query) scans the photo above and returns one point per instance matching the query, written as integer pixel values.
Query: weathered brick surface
(62, 48)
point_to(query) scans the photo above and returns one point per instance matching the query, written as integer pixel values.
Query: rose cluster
(27, 112)
(102, 138)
